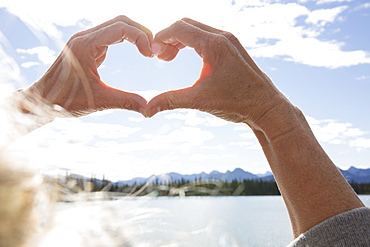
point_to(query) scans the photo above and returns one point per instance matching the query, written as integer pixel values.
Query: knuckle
(140, 36)
(146, 31)
(122, 18)
(75, 41)
(130, 103)
(76, 35)
(186, 19)
(231, 37)
(219, 41)
(78, 46)
(178, 24)
(215, 42)
(119, 24)
(172, 101)
(127, 103)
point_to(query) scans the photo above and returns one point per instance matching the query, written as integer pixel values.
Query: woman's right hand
(230, 86)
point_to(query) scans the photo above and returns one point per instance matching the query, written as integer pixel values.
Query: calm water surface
(177, 222)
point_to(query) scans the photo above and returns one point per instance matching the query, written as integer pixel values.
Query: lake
(174, 222)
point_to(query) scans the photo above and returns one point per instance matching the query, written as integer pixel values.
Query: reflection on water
(174, 222)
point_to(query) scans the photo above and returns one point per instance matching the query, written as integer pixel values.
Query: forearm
(312, 187)
(232, 87)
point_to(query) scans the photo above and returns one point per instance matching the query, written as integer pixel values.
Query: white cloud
(191, 118)
(336, 141)
(282, 36)
(242, 127)
(135, 119)
(360, 143)
(10, 72)
(363, 77)
(330, 131)
(269, 29)
(323, 16)
(213, 147)
(241, 144)
(247, 145)
(44, 54)
(83, 147)
(351, 132)
(332, 1)
(77, 129)
(101, 113)
(269, 22)
(29, 64)
(43, 21)
(311, 120)
(248, 136)
(203, 157)
(315, 53)
(363, 6)
(72, 132)
(182, 140)
(255, 147)
(334, 132)
(216, 122)
(190, 136)
(319, 2)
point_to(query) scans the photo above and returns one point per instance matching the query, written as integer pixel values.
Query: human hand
(230, 86)
(73, 82)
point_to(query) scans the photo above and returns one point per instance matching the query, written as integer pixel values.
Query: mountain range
(353, 174)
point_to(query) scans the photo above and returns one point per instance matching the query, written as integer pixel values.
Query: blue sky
(316, 52)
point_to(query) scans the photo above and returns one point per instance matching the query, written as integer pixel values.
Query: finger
(202, 26)
(181, 34)
(169, 54)
(100, 60)
(181, 98)
(111, 98)
(230, 37)
(100, 55)
(119, 31)
(122, 18)
(170, 51)
(210, 29)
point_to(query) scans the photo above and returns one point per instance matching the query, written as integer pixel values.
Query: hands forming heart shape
(230, 86)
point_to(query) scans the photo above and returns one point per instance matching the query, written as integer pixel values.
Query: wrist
(280, 119)
(28, 102)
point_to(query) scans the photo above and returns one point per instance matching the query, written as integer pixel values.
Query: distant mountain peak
(353, 174)
(357, 175)
(261, 175)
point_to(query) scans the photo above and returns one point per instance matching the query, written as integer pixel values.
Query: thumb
(174, 99)
(117, 99)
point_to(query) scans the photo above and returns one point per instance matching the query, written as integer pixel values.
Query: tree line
(361, 188)
(183, 187)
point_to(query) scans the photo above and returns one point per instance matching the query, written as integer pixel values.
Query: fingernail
(156, 49)
(149, 55)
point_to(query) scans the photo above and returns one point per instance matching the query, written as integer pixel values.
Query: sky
(316, 52)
